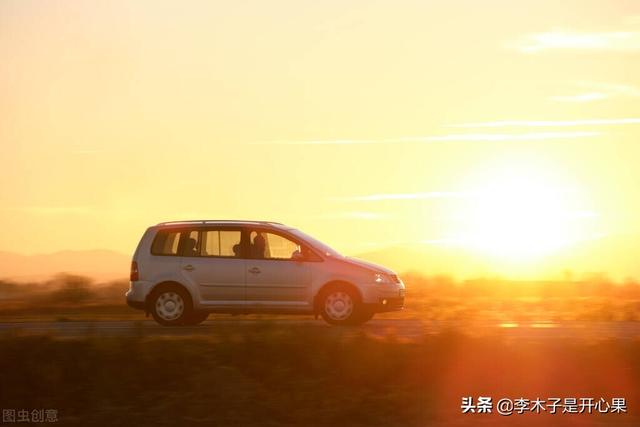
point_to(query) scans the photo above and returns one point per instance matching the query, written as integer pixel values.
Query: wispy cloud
(407, 196)
(527, 136)
(620, 41)
(599, 91)
(353, 215)
(551, 123)
(581, 97)
(323, 142)
(613, 88)
(456, 137)
(489, 194)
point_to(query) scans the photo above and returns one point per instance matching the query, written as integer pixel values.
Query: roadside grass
(271, 375)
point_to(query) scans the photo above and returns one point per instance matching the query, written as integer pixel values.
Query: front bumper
(384, 297)
(388, 304)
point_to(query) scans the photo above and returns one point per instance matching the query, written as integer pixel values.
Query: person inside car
(258, 246)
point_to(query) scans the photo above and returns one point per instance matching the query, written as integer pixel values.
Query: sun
(522, 211)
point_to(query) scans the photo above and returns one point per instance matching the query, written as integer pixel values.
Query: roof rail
(213, 221)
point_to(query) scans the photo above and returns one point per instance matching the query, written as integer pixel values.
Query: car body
(183, 270)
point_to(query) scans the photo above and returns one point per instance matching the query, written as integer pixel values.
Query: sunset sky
(507, 131)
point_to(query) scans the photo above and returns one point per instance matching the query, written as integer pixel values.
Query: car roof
(221, 222)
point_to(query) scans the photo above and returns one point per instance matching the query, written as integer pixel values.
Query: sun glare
(522, 212)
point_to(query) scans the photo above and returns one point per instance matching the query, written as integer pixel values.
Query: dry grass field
(295, 375)
(272, 374)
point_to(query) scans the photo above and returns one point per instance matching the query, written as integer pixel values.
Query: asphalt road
(402, 329)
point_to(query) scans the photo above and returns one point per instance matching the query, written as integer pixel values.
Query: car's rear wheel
(341, 305)
(171, 306)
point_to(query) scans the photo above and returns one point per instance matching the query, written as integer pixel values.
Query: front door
(274, 279)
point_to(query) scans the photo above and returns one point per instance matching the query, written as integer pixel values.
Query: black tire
(196, 318)
(161, 311)
(341, 305)
(366, 315)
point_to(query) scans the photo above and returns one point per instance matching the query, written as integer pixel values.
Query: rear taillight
(133, 276)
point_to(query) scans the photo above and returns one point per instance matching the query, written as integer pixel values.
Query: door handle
(254, 270)
(188, 267)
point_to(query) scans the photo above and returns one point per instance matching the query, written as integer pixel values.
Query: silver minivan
(184, 270)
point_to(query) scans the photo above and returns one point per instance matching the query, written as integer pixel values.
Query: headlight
(381, 278)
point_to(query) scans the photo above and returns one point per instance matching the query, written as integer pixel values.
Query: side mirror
(297, 256)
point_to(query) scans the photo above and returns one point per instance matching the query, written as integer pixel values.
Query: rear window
(166, 243)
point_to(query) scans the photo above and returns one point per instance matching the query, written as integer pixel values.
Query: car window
(265, 245)
(317, 244)
(166, 243)
(225, 243)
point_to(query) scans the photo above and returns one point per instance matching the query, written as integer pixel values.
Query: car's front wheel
(171, 306)
(341, 305)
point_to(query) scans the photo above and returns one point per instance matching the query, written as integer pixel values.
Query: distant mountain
(97, 264)
(616, 256)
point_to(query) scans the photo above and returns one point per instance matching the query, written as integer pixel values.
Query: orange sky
(507, 131)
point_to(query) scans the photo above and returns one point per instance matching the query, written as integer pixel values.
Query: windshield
(315, 243)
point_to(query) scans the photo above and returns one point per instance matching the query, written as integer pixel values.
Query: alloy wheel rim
(338, 305)
(169, 305)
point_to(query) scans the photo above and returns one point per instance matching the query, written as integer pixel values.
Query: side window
(223, 243)
(265, 245)
(230, 243)
(166, 243)
(211, 246)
